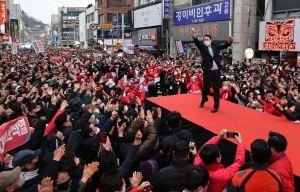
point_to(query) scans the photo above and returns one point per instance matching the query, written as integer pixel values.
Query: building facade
(68, 25)
(279, 40)
(220, 19)
(110, 12)
(86, 19)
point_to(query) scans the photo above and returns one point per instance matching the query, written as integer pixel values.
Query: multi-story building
(279, 39)
(68, 25)
(86, 19)
(110, 11)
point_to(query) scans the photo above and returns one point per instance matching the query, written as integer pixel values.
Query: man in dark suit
(211, 65)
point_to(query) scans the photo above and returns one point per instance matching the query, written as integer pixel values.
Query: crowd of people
(90, 131)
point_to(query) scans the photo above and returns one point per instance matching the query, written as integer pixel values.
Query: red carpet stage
(250, 123)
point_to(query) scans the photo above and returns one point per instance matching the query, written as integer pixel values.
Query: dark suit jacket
(207, 59)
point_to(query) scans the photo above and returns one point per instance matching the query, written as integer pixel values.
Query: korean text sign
(215, 11)
(13, 134)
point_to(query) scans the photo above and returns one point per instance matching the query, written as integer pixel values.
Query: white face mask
(46, 86)
(207, 43)
(225, 87)
(125, 108)
(175, 73)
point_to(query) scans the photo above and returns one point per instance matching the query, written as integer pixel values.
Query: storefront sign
(219, 31)
(108, 41)
(215, 11)
(279, 35)
(166, 9)
(249, 53)
(3, 12)
(256, 61)
(145, 37)
(148, 16)
(274, 60)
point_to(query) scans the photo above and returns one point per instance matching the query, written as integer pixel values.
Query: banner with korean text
(56, 58)
(179, 46)
(14, 48)
(13, 134)
(216, 11)
(38, 46)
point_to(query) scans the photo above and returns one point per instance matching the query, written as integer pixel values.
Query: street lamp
(117, 24)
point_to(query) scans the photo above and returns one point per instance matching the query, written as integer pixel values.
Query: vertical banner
(12, 29)
(179, 46)
(14, 48)
(166, 9)
(298, 59)
(13, 134)
(41, 46)
(35, 46)
(3, 12)
(186, 49)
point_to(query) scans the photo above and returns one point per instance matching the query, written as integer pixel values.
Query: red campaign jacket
(269, 108)
(282, 164)
(140, 93)
(193, 87)
(219, 176)
(225, 94)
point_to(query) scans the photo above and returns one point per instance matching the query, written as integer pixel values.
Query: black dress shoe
(201, 104)
(214, 110)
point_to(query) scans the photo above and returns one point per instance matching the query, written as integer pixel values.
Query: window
(92, 17)
(112, 18)
(101, 18)
(198, 2)
(118, 3)
(73, 13)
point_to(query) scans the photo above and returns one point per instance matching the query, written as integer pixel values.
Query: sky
(42, 9)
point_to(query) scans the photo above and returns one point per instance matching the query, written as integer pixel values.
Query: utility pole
(74, 34)
(249, 25)
(249, 22)
(122, 31)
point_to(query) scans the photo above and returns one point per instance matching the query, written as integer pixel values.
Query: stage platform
(250, 123)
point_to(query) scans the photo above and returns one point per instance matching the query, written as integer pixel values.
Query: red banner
(56, 58)
(66, 53)
(13, 134)
(3, 12)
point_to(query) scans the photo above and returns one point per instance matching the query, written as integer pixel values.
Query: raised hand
(46, 185)
(89, 171)
(136, 179)
(59, 152)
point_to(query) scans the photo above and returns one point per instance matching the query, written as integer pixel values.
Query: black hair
(270, 91)
(277, 141)
(181, 150)
(194, 177)
(86, 130)
(32, 106)
(174, 119)
(207, 35)
(60, 120)
(111, 181)
(209, 153)
(260, 151)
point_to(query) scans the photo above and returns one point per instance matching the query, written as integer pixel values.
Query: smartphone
(24, 108)
(154, 109)
(192, 144)
(231, 134)
(102, 136)
(55, 143)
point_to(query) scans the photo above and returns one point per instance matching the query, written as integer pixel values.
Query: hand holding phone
(102, 136)
(192, 144)
(232, 134)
